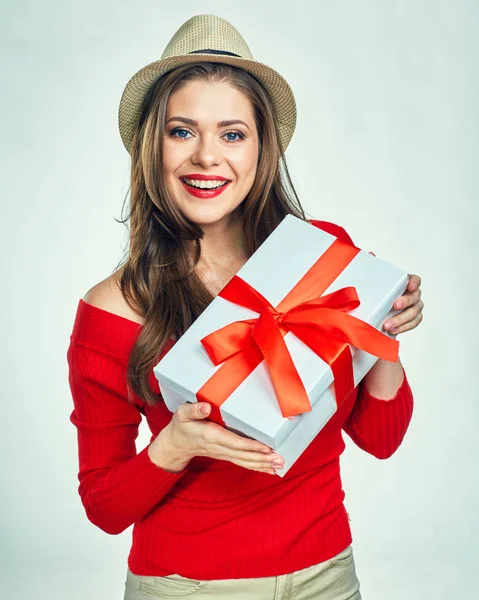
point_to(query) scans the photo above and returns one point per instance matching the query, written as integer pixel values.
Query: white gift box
(274, 269)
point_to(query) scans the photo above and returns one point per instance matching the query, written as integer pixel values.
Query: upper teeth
(206, 184)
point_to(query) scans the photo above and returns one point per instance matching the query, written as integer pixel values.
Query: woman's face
(210, 140)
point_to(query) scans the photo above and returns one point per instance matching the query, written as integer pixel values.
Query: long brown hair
(158, 278)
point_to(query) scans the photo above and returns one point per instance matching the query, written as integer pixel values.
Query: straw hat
(212, 39)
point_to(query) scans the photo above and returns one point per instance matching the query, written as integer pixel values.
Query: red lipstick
(204, 193)
(204, 177)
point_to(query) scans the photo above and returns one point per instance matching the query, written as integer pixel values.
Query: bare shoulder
(107, 295)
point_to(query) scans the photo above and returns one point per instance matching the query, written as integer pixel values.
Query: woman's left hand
(412, 306)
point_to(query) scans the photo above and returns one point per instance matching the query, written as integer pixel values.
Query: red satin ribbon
(321, 322)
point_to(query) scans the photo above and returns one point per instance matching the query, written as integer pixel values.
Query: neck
(223, 243)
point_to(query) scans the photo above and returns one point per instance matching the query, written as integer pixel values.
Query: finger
(228, 439)
(252, 457)
(408, 315)
(252, 460)
(407, 300)
(414, 282)
(409, 325)
(264, 467)
(193, 411)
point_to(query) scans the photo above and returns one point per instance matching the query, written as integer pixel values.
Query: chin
(209, 216)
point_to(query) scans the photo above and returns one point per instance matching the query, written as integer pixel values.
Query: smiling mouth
(210, 184)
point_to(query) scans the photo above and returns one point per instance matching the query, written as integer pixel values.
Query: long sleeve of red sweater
(379, 426)
(117, 487)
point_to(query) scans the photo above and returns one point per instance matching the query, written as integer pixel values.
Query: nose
(206, 152)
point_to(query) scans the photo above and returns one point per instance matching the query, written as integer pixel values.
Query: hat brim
(139, 85)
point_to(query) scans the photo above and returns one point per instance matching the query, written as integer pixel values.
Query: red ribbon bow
(321, 322)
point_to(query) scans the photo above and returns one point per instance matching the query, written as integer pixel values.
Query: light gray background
(386, 145)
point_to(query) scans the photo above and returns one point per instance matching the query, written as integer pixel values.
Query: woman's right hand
(188, 434)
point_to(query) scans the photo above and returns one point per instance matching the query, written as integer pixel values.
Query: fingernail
(388, 325)
(399, 304)
(277, 463)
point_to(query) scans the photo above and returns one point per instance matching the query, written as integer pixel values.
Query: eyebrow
(219, 124)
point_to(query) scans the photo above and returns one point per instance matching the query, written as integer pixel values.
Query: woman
(206, 127)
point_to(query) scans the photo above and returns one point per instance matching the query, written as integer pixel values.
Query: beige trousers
(334, 579)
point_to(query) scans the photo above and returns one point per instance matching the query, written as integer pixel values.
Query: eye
(234, 133)
(181, 131)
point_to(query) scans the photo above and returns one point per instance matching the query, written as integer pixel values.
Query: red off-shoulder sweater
(213, 520)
